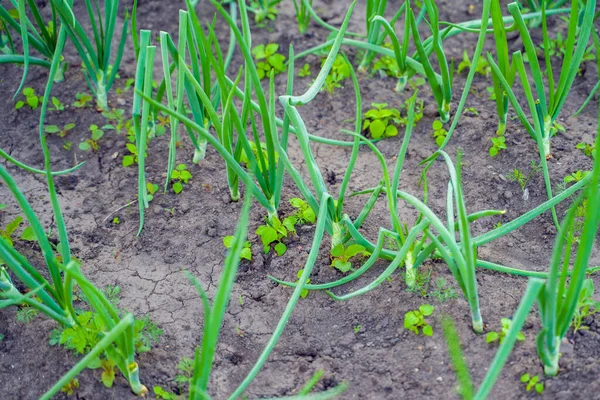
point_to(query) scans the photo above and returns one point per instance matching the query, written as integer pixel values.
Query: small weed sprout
(357, 328)
(92, 142)
(116, 221)
(522, 179)
(381, 121)
(31, 99)
(586, 306)
(413, 320)
(152, 188)
(70, 387)
(576, 176)
(443, 291)
(274, 232)
(340, 256)
(57, 105)
(587, 149)
(304, 214)
(304, 292)
(421, 286)
(483, 67)
(164, 394)
(52, 129)
(179, 177)
(304, 71)
(499, 336)
(532, 382)
(246, 251)
(186, 372)
(264, 11)
(82, 100)
(439, 133)
(26, 314)
(267, 60)
(498, 143)
(340, 71)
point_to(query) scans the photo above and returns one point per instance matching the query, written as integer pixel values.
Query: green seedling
(439, 133)
(126, 88)
(340, 256)
(70, 387)
(498, 143)
(340, 71)
(586, 306)
(519, 176)
(91, 144)
(113, 293)
(82, 100)
(304, 214)
(117, 117)
(131, 158)
(9, 230)
(61, 132)
(31, 99)
(532, 382)
(415, 320)
(443, 291)
(575, 176)
(179, 177)
(263, 148)
(304, 292)
(304, 71)
(264, 11)
(357, 328)
(492, 337)
(421, 283)
(381, 121)
(151, 189)
(57, 105)
(164, 394)
(587, 149)
(116, 221)
(267, 60)
(557, 47)
(274, 231)
(26, 314)
(186, 372)
(471, 110)
(246, 251)
(386, 65)
(482, 68)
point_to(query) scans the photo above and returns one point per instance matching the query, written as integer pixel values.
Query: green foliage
(246, 251)
(304, 214)
(186, 372)
(57, 105)
(421, 285)
(443, 291)
(128, 85)
(117, 117)
(267, 60)
(91, 144)
(164, 394)
(386, 65)
(340, 71)
(274, 232)
(587, 148)
(557, 47)
(382, 121)
(413, 320)
(520, 177)
(340, 256)
(457, 357)
(31, 99)
(8, 231)
(483, 67)
(532, 382)
(304, 292)
(245, 160)
(439, 133)
(499, 336)
(264, 11)
(575, 176)
(498, 143)
(304, 71)
(152, 188)
(82, 100)
(132, 157)
(586, 306)
(26, 314)
(70, 387)
(179, 177)
(61, 132)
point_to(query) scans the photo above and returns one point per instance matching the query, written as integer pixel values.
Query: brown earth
(381, 360)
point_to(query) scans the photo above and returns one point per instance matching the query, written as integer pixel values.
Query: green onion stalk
(99, 69)
(559, 298)
(39, 35)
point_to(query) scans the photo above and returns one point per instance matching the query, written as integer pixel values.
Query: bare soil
(381, 360)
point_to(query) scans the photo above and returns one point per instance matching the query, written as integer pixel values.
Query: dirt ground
(380, 359)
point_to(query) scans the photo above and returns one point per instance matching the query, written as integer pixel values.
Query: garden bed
(361, 341)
